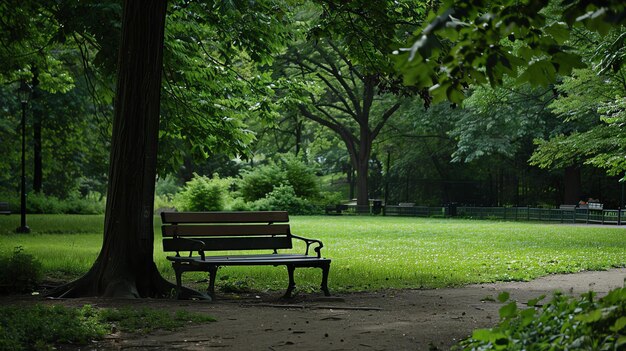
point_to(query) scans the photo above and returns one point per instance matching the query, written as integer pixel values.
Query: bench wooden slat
(225, 244)
(249, 259)
(225, 230)
(225, 217)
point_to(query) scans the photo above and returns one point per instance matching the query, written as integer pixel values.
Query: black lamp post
(24, 93)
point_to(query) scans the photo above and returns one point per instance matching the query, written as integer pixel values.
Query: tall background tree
(342, 74)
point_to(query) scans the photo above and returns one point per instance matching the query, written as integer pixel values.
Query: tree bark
(125, 266)
(362, 164)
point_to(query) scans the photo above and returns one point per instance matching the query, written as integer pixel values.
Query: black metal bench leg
(211, 288)
(325, 270)
(179, 281)
(292, 282)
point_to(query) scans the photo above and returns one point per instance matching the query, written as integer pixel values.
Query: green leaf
(566, 62)
(591, 317)
(540, 73)
(503, 296)
(620, 323)
(533, 302)
(558, 31)
(482, 334)
(508, 310)
(455, 95)
(527, 315)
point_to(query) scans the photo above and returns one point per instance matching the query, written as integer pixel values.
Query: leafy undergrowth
(41, 327)
(564, 323)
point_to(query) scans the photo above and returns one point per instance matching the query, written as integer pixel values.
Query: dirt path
(389, 320)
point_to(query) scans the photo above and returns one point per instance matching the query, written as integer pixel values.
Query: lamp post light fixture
(24, 94)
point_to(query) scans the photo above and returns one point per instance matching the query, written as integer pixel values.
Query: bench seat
(196, 233)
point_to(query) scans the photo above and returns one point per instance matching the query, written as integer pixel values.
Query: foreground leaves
(563, 323)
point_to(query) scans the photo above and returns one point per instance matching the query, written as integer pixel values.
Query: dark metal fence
(577, 215)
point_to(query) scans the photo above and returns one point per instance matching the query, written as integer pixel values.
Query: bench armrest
(309, 242)
(198, 245)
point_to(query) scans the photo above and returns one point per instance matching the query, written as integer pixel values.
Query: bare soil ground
(384, 320)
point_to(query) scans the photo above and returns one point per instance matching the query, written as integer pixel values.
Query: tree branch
(384, 120)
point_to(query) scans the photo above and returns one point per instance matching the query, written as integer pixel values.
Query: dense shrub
(260, 181)
(255, 184)
(329, 198)
(284, 198)
(239, 204)
(163, 202)
(301, 177)
(75, 204)
(166, 186)
(202, 193)
(20, 272)
(563, 323)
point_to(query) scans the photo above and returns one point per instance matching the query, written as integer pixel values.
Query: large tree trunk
(125, 266)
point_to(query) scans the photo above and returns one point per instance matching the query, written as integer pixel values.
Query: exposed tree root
(90, 285)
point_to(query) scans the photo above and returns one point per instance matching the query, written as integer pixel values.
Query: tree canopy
(479, 42)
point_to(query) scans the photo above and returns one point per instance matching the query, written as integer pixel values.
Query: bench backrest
(222, 231)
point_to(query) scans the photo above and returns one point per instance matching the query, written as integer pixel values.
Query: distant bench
(4, 208)
(336, 209)
(234, 231)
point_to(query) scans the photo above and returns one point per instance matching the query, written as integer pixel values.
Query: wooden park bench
(187, 233)
(4, 208)
(567, 207)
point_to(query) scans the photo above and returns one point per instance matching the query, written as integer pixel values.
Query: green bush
(202, 193)
(255, 184)
(563, 323)
(284, 198)
(301, 177)
(164, 193)
(329, 198)
(239, 204)
(83, 205)
(40, 203)
(260, 181)
(20, 272)
(75, 204)
(163, 202)
(167, 186)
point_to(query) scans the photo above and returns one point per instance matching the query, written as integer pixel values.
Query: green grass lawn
(368, 253)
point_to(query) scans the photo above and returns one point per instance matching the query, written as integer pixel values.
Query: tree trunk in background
(125, 266)
(572, 186)
(37, 114)
(350, 179)
(362, 159)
